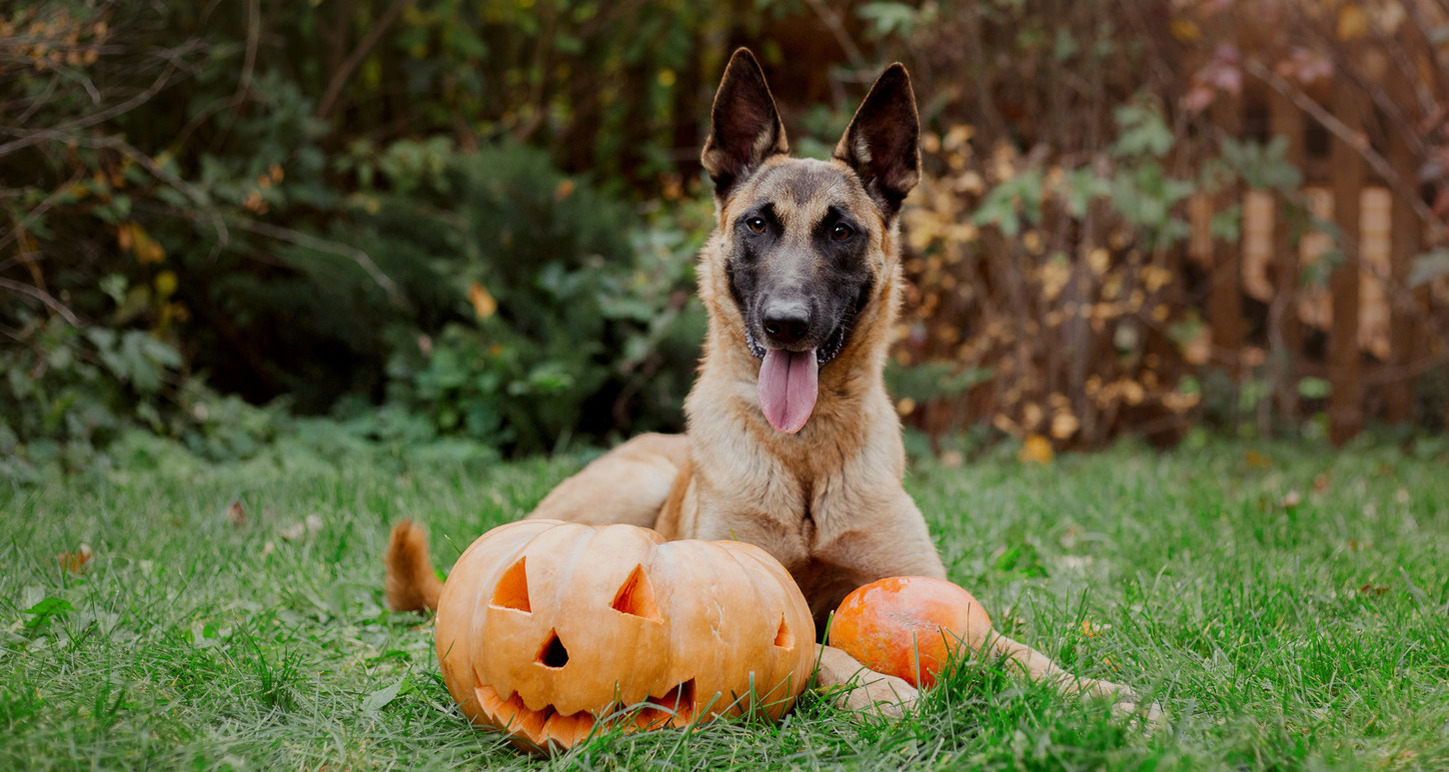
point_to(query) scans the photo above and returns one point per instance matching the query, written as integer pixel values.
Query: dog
(792, 442)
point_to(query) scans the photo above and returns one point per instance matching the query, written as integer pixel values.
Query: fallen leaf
(1293, 499)
(1320, 483)
(236, 514)
(75, 562)
(1257, 460)
(1036, 449)
(295, 532)
(380, 698)
(314, 523)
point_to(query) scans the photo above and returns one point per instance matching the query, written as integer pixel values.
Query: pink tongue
(788, 381)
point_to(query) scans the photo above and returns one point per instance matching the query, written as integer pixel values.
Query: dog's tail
(412, 585)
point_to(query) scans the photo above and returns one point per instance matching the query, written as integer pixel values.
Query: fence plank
(1225, 299)
(1285, 334)
(1345, 404)
(1404, 344)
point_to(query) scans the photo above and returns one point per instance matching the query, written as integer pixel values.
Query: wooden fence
(1365, 331)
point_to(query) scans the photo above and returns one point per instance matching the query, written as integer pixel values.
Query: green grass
(1307, 636)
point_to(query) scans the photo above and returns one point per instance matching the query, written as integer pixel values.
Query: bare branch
(831, 19)
(65, 130)
(1341, 130)
(324, 245)
(364, 47)
(44, 297)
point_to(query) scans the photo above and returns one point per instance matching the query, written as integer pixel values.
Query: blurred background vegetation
(469, 225)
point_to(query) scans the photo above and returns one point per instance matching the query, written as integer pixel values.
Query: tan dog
(793, 443)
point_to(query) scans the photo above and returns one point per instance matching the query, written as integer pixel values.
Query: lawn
(1289, 607)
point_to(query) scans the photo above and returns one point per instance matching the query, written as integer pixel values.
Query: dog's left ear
(882, 141)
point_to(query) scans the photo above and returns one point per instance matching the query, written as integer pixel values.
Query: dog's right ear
(744, 126)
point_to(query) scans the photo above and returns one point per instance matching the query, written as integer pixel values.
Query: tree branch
(44, 297)
(1341, 130)
(323, 245)
(364, 47)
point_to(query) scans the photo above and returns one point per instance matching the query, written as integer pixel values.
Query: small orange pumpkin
(545, 628)
(908, 626)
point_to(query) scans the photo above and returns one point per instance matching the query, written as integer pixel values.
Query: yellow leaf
(166, 283)
(483, 303)
(145, 247)
(1185, 30)
(1035, 450)
(1352, 22)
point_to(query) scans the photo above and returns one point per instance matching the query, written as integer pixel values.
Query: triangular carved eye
(636, 596)
(512, 590)
(553, 654)
(783, 637)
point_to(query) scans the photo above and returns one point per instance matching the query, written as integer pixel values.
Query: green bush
(565, 318)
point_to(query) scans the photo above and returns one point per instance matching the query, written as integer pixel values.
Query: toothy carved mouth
(541, 727)
(537, 726)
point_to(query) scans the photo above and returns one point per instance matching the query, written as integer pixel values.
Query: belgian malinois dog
(792, 442)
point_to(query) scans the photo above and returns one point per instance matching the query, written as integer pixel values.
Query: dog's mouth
(790, 380)
(675, 707)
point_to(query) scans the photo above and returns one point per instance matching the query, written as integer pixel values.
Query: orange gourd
(908, 626)
(545, 629)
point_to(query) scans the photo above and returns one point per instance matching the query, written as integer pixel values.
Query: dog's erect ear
(882, 141)
(744, 127)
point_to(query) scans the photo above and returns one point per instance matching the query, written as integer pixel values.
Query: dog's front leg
(856, 687)
(1040, 667)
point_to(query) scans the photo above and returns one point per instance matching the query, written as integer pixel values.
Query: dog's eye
(756, 224)
(841, 232)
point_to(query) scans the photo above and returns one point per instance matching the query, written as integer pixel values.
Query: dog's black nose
(786, 324)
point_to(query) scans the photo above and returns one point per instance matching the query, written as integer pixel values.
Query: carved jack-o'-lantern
(545, 628)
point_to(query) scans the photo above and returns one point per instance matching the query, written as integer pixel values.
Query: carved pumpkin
(545, 628)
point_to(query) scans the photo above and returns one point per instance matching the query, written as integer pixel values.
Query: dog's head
(805, 243)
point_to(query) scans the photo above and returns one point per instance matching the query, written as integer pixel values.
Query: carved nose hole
(636, 596)
(772, 329)
(512, 589)
(783, 637)
(553, 654)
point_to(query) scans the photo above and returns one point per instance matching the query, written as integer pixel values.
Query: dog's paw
(873, 692)
(1126, 703)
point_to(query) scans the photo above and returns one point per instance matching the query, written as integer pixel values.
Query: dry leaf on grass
(76, 562)
(236, 514)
